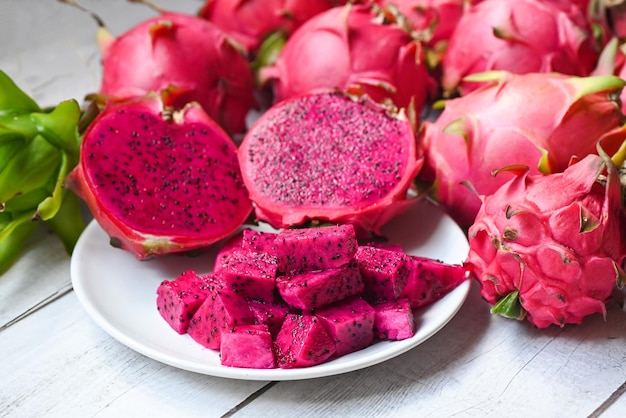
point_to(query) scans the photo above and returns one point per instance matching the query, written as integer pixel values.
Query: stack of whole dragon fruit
(299, 297)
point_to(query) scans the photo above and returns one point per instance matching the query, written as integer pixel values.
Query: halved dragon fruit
(185, 58)
(330, 157)
(159, 182)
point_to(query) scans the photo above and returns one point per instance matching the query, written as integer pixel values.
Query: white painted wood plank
(58, 363)
(478, 365)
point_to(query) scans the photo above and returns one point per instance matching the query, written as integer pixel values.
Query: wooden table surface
(56, 362)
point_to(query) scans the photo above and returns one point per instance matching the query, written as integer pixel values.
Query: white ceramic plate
(119, 293)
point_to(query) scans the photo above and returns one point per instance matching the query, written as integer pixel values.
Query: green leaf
(59, 126)
(18, 124)
(13, 237)
(13, 99)
(8, 148)
(68, 223)
(30, 168)
(27, 201)
(49, 207)
(509, 306)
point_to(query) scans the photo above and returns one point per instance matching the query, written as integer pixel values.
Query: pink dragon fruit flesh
(329, 157)
(394, 320)
(350, 323)
(186, 58)
(548, 247)
(250, 274)
(429, 280)
(249, 346)
(519, 36)
(302, 342)
(384, 273)
(270, 314)
(159, 182)
(353, 49)
(537, 120)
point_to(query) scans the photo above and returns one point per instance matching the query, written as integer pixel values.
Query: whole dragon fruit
(250, 22)
(187, 59)
(160, 182)
(539, 120)
(547, 247)
(326, 156)
(351, 49)
(520, 36)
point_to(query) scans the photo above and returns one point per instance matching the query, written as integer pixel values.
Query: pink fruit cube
(232, 244)
(384, 272)
(248, 346)
(222, 310)
(350, 323)
(270, 314)
(394, 320)
(302, 342)
(429, 280)
(314, 289)
(251, 274)
(257, 241)
(179, 299)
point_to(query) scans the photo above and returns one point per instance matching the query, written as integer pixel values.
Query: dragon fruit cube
(249, 346)
(251, 274)
(311, 249)
(234, 243)
(394, 320)
(302, 342)
(179, 299)
(429, 280)
(270, 314)
(384, 272)
(314, 289)
(258, 241)
(222, 310)
(350, 324)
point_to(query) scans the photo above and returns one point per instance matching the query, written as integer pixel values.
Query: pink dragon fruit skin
(429, 280)
(302, 342)
(384, 273)
(547, 247)
(248, 346)
(250, 274)
(350, 323)
(314, 289)
(159, 185)
(538, 120)
(251, 22)
(360, 54)
(394, 320)
(311, 249)
(179, 299)
(222, 310)
(187, 59)
(361, 174)
(519, 36)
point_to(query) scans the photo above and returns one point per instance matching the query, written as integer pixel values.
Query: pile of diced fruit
(299, 297)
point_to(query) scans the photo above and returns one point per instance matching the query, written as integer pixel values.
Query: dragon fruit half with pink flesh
(548, 247)
(339, 159)
(251, 22)
(520, 36)
(351, 49)
(160, 182)
(538, 120)
(185, 58)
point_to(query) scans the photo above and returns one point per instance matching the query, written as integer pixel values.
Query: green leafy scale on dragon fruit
(350, 323)
(179, 299)
(251, 274)
(302, 342)
(329, 157)
(429, 280)
(314, 289)
(270, 314)
(159, 182)
(394, 320)
(384, 272)
(258, 241)
(222, 310)
(248, 346)
(311, 249)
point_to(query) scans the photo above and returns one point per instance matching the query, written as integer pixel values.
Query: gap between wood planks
(610, 401)
(67, 288)
(248, 400)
